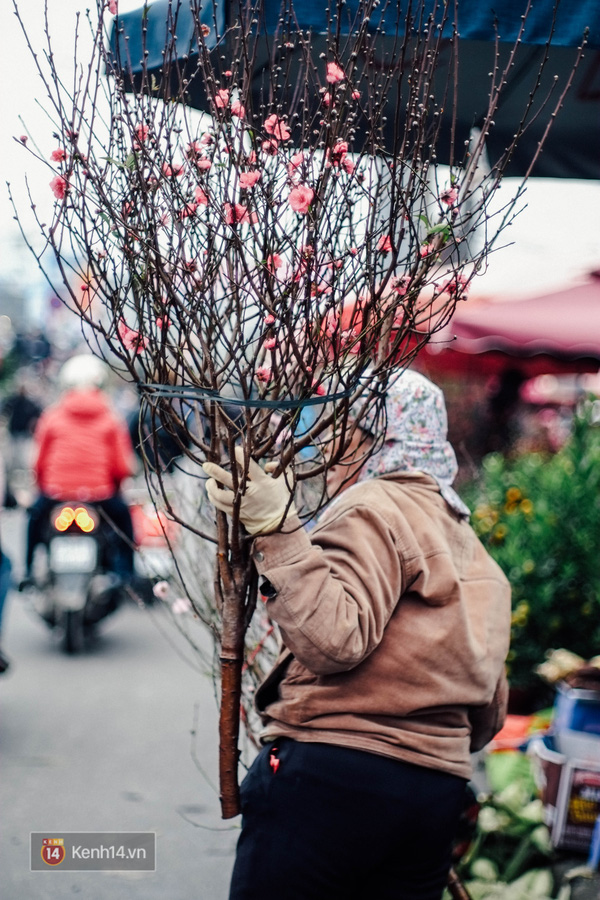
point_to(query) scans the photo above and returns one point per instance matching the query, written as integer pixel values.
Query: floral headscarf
(416, 437)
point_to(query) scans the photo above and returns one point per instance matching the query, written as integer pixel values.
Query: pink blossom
(202, 163)
(163, 322)
(204, 30)
(59, 187)
(238, 109)
(141, 133)
(270, 146)
(23, 138)
(300, 198)
(274, 261)
(337, 155)
(188, 210)
(131, 340)
(335, 73)
(161, 590)
(277, 127)
(207, 139)
(449, 196)
(249, 179)
(326, 99)
(112, 7)
(58, 155)
(348, 166)
(356, 95)
(172, 171)
(269, 319)
(425, 250)
(237, 214)
(384, 244)
(306, 254)
(319, 389)
(193, 150)
(270, 343)
(228, 73)
(455, 286)
(181, 605)
(200, 197)
(263, 374)
(251, 158)
(353, 250)
(294, 167)
(400, 285)
(222, 98)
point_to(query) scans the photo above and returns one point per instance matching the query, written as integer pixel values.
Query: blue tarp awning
(573, 147)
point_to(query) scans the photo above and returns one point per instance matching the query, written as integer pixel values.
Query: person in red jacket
(83, 452)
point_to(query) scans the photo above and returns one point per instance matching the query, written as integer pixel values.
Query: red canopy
(558, 332)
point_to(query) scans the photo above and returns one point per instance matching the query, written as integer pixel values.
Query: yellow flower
(513, 495)
(528, 566)
(526, 507)
(521, 614)
(500, 532)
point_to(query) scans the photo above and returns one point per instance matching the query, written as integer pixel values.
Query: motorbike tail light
(83, 519)
(64, 518)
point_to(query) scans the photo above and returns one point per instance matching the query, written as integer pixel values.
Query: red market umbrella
(551, 333)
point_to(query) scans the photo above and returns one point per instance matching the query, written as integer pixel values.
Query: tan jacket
(396, 624)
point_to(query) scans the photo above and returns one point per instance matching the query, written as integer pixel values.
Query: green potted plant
(539, 516)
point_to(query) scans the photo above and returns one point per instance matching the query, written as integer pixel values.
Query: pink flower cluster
(338, 157)
(456, 286)
(300, 198)
(335, 73)
(131, 340)
(449, 196)
(278, 128)
(59, 186)
(238, 214)
(249, 179)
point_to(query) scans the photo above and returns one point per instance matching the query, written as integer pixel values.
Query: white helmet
(83, 371)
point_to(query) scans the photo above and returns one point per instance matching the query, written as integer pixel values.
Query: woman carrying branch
(395, 623)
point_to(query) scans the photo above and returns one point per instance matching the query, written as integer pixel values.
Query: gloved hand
(265, 501)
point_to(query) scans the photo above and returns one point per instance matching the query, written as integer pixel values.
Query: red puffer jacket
(83, 449)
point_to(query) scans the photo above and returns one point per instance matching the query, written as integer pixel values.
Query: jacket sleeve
(122, 458)
(487, 721)
(41, 441)
(334, 592)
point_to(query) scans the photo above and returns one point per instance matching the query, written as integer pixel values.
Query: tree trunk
(233, 615)
(229, 728)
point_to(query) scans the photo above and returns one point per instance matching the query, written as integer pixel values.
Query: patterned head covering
(416, 437)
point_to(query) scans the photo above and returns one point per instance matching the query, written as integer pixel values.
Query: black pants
(120, 549)
(337, 824)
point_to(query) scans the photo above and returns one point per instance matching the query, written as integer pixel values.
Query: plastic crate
(576, 710)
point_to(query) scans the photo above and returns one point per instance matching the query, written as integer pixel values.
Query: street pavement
(103, 742)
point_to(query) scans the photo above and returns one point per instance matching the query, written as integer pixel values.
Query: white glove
(266, 501)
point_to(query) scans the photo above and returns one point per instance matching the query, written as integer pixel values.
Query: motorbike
(75, 585)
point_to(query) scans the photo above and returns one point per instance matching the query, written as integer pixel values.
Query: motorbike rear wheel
(73, 638)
